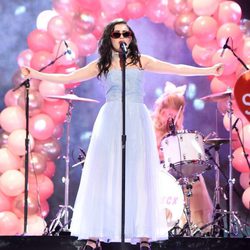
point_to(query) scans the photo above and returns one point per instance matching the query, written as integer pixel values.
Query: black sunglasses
(117, 34)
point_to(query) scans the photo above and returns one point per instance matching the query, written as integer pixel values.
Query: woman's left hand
(218, 69)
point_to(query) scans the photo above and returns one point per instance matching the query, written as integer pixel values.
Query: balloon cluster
(206, 25)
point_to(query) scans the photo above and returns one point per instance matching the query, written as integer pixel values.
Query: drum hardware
(189, 229)
(232, 219)
(60, 225)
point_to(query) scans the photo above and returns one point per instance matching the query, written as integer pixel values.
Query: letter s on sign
(247, 103)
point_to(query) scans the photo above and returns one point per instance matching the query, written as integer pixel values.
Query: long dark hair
(105, 48)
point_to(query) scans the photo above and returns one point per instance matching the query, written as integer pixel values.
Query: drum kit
(186, 157)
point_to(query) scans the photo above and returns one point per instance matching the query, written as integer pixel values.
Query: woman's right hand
(26, 72)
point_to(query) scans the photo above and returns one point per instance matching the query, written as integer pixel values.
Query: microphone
(235, 123)
(68, 50)
(171, 125)
(123, 47)
(224, 47)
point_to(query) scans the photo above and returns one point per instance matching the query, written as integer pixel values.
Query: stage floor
(71, 243)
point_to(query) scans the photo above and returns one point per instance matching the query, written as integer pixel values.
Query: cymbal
(217, 141)
(72, 97)
(217, 97)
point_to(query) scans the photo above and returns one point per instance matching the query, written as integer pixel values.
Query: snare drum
(171, 198)
(184, 152)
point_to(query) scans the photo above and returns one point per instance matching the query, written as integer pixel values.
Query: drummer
(170, 107)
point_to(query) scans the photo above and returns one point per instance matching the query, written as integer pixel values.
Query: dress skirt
(97, 210)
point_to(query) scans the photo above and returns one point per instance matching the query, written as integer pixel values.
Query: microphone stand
(231, 214)
(26, 84)
(122, 55)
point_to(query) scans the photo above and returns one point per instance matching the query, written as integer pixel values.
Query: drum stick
(178, 114)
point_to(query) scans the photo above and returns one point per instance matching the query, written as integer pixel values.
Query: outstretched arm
(82, 74)
(154, 65)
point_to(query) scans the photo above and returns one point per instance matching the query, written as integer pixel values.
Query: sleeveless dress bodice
(134, 85)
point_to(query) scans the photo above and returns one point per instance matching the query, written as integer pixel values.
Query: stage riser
(71, 243)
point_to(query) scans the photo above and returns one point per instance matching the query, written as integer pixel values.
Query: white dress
(97, 210)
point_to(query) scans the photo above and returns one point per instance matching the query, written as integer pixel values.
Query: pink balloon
(86, 43)
(12, 182)
(40, 40)
(34, 84)
(228, 59)
(183, 24)
(10, 114)
(41, 59)
(205, 8)
(5, 202)
(245, 134)
(203, 55)
(8, 160)
(229, 11)
(245, 180)
(18, 205)
(229, 80)
(11, 97)
(3, 138)
(205, 28)
(240, 69)
(24, 58)
(70, 54)
(43, 18)
(179, 6)
(66, 7)
(35, 226)
(239, 161)
(134, 9)
(191, 41)
(50, 148)
(113, 6)
(9, 223)
(50, 169)
(66, 69)
(157, 11)
(235, 142)
(44, 188)
(58, 131)
(217, 86)
(47, 88)
(244, 49)
(89, 5)
(17, 78)
(246, 198)
(44, 210)
(35, 102)
(16, 142)
(37, 163)
(59, 27)
(84, 22)
(56, 110)
(41, 126)
(231, 30)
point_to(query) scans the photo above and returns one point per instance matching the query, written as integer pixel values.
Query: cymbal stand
(189, 229)
(234, 224)
(217, 229)
(63, 212)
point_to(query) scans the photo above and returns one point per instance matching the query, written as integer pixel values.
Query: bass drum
(171, 198)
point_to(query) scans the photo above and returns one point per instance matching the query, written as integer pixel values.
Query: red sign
(242, 94)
